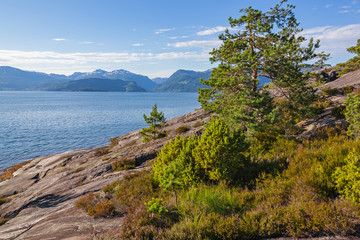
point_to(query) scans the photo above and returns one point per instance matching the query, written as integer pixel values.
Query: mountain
(97, 85)
(159, 80)
(142, 81)
(184, 81)
(14, 79)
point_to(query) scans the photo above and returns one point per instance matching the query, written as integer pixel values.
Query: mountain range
(14, 79)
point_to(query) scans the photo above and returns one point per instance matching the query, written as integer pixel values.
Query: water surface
(34, 124)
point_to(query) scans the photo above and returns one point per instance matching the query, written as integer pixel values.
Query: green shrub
(182, 129)
(348, 89)
(123, 164)
(175, 166)
(156, 206)
(347, 178)
(352, 114)
(220, 152)
(96, 206)
(338, 112)
(330, 91)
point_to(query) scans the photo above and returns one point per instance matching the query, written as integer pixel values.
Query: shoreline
(41, 194)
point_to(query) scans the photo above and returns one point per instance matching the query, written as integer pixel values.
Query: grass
(101, 151)
(4, 220)
(182, 129)
(123, 164)
(8, 173)
(3, 200)
(293, 194)
(329, 91)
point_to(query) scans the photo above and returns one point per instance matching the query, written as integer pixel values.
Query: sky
(149, 37)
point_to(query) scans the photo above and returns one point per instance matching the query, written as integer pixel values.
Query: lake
(34, 124)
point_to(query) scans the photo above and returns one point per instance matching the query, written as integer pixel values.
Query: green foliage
(348, 89)
(96, 206)
(330, 91)
(353, 63)
(220, 152)
(156, 206)
(352, 114)
(338, 112)
(182, 129)
(347, 178)
(268, 45)
(217, 155)
(155, 121)
(175, 166)
(123, 164)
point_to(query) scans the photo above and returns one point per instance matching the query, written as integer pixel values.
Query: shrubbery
(347, 178)
(352, 114)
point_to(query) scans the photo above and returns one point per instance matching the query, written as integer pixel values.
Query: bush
(220, 152)
(338, 112)
(96, 206)
(347, 178)
(175, 166)
(330, 91)
(182, 129)
(123, 164)
(197, 124)
(348, 89)
(352, 114)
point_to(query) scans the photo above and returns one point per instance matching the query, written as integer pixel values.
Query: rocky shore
(41, 195)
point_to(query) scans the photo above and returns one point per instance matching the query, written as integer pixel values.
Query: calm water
(34, 124)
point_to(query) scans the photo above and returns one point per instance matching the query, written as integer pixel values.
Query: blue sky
(153, 38)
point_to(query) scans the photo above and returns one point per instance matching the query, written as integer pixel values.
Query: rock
(44, 191)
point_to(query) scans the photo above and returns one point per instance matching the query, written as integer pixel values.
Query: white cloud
(138, 44)
(344, 11)
(159, 31)
(334, 39)
(195, 43)
(85, 42)
(178, 37)
(329, 5)
(38, 60)
(211, 31)
(59, 39)
(345, 7)
(355, 2)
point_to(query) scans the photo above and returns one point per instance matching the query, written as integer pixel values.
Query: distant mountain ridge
(142, 81)
(184, 81)
(97, 85)
(14, 79)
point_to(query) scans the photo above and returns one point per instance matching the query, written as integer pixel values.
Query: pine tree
(155, 121)
(267, 44)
